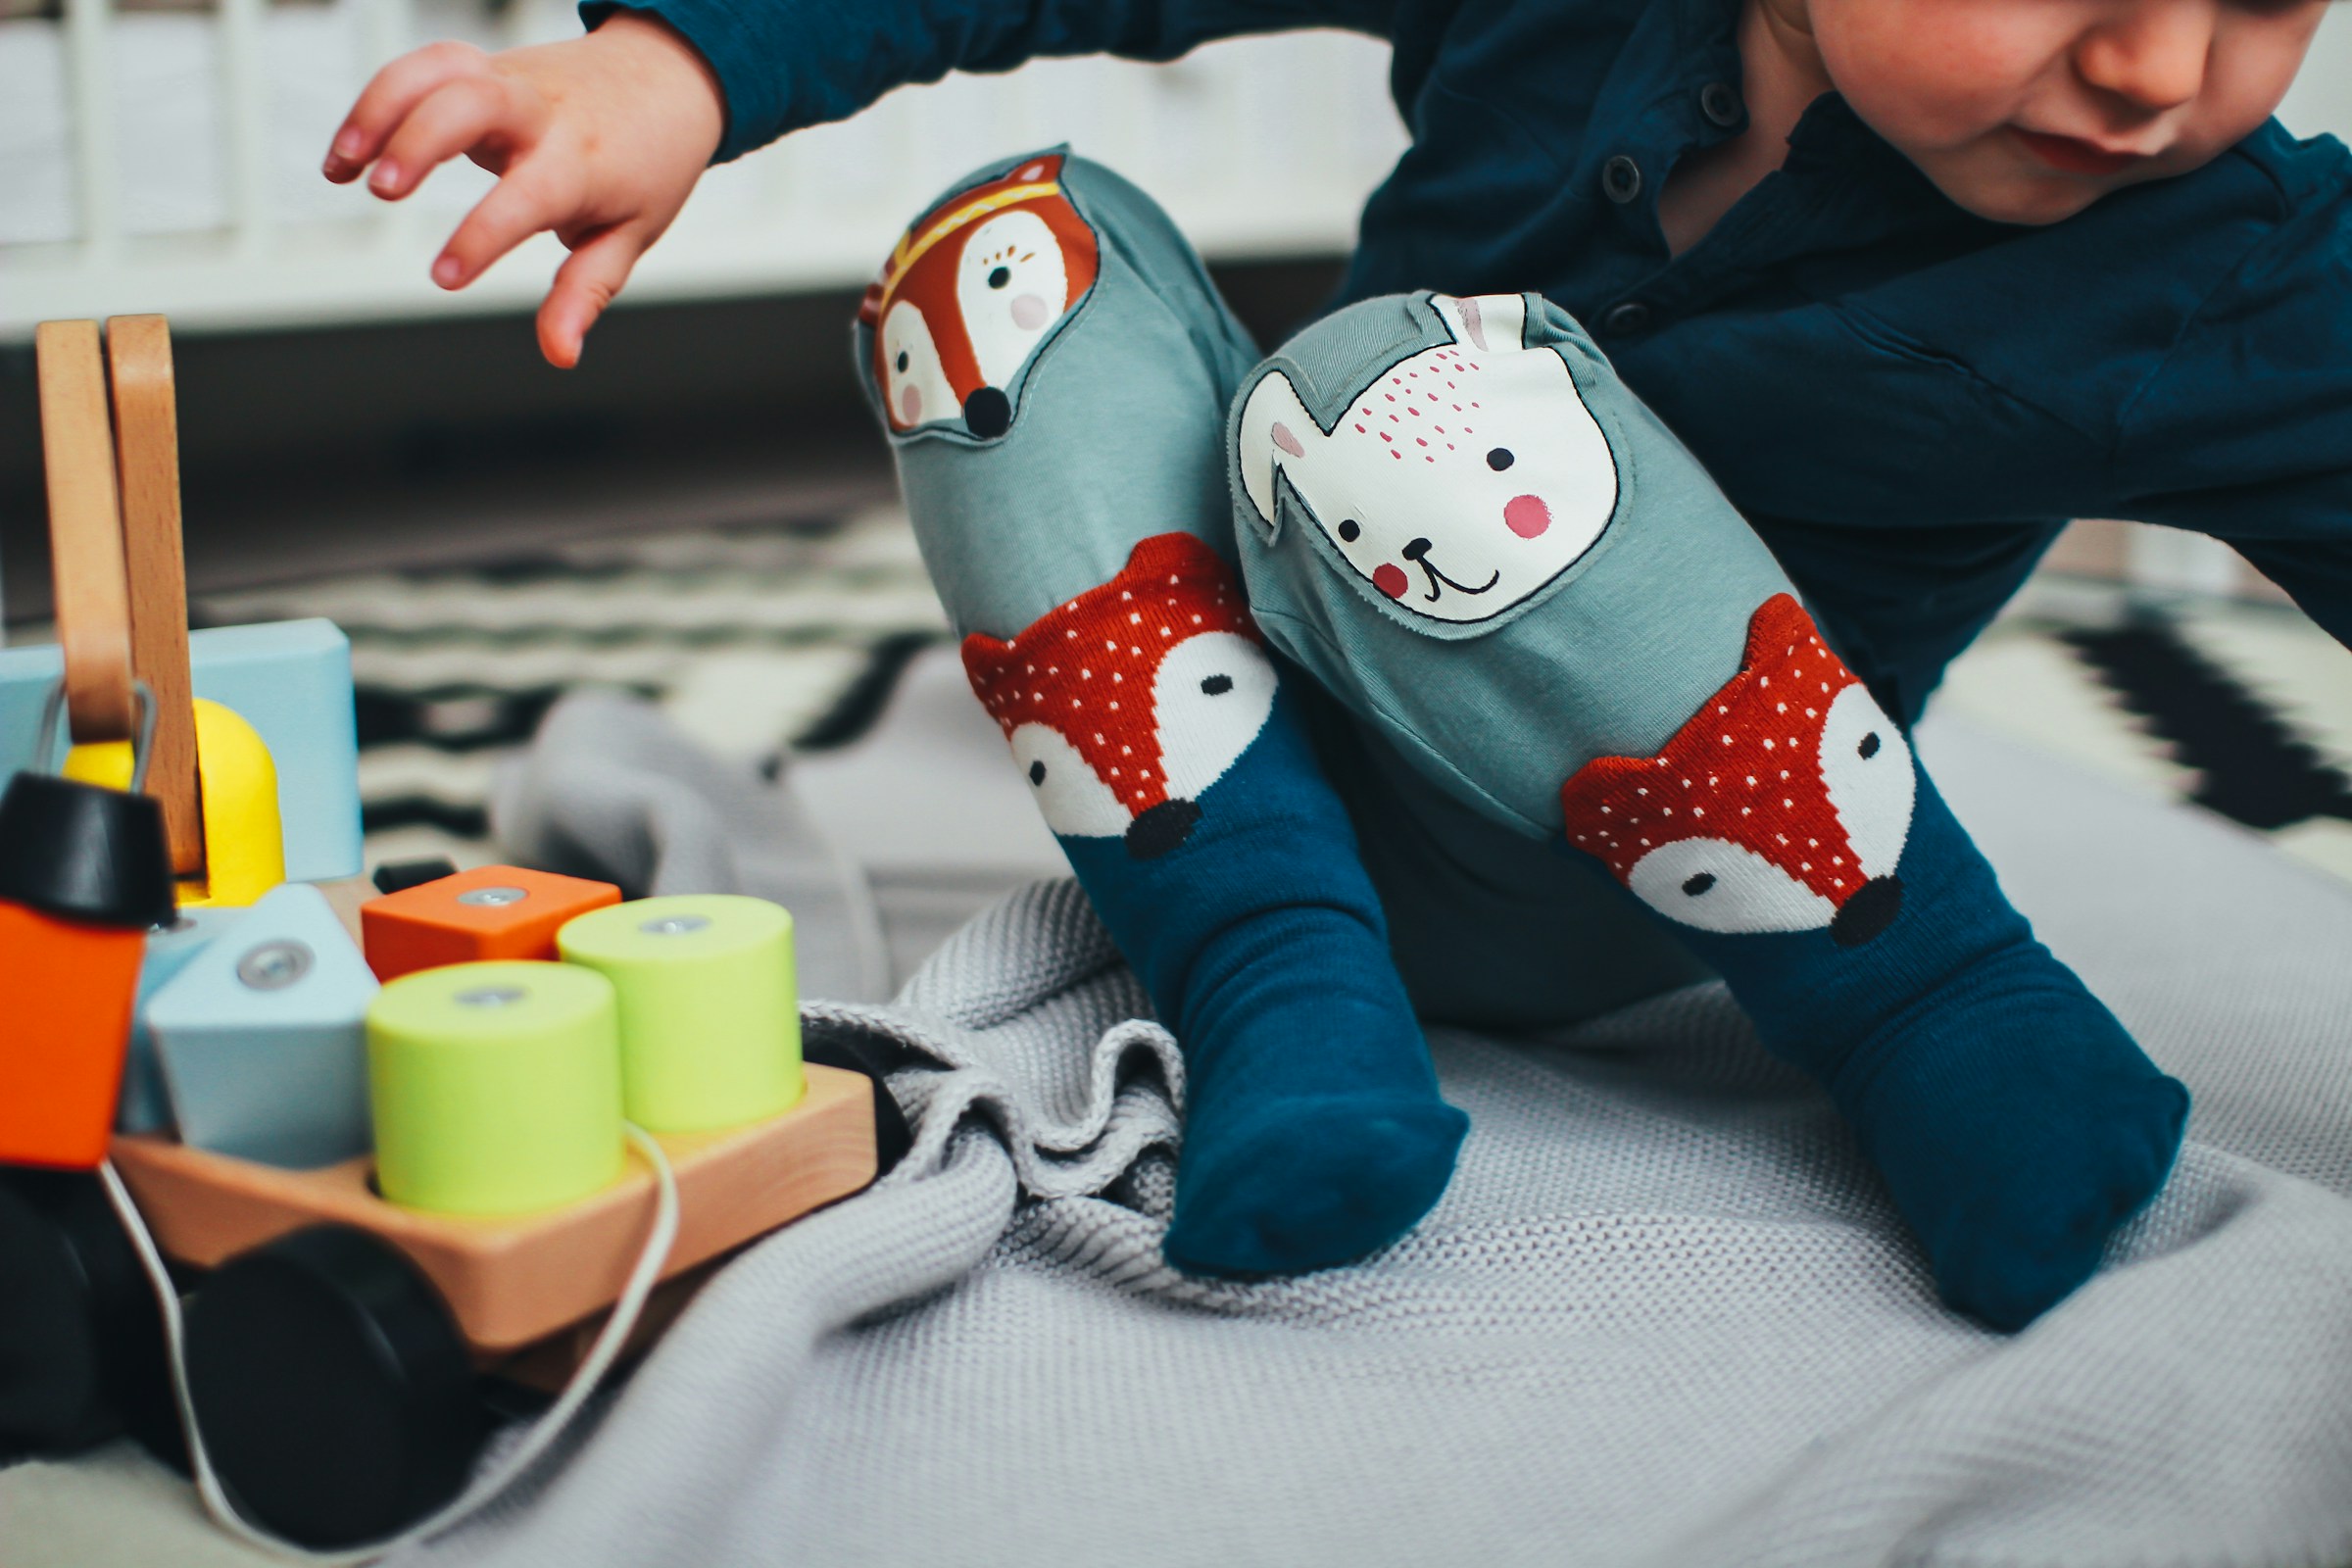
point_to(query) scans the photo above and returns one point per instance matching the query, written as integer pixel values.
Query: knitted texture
(1664, 1315)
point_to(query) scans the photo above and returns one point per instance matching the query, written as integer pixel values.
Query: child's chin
(2011, 195)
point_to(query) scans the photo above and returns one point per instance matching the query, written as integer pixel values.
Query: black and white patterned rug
(755, 641)
(790, 638)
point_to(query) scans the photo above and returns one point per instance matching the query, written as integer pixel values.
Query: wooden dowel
(139, 354)
(85, 530)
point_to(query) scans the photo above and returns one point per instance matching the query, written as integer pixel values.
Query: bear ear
(1275, 429)
(1491, 324)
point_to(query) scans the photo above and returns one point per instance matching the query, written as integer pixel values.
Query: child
(1915, 279)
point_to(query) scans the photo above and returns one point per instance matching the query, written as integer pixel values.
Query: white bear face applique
(1460, 481)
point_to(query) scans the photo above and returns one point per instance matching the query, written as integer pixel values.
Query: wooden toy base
(514, 1280)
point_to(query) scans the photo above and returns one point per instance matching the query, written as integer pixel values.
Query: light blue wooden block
(146, 1104)
(263, 1037)
(291, 682)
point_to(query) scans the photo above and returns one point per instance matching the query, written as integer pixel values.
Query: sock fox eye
(1700, 883)
(1348, 530)
(1501, 459)
(999, 276)
(902, 360)
(1869, 747)
(1217, 686)
(1036, 772)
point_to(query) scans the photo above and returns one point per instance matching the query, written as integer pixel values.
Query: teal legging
(1114, 406)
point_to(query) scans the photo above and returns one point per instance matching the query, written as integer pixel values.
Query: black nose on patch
(1871, 910)
(1162, 828)
(988, 413)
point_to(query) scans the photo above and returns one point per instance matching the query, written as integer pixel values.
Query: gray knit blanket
(1664, 1315)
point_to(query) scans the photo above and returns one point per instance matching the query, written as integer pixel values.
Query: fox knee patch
(1123, 706)
(1784, 804)
(968, 295)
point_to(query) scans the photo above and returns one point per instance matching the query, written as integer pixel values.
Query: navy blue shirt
(1907, 402)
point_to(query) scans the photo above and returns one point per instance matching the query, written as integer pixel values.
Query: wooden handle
(138, 358)
(85, 532)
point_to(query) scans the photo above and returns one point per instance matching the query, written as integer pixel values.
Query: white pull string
(550, 1425)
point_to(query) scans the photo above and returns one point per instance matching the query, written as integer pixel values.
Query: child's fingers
(387, 99)
(584, 285)
(526, 200)
(454, 117)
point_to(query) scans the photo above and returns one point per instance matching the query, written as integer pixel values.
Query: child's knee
(1453, 513)
(1051, 364)
(964, 307)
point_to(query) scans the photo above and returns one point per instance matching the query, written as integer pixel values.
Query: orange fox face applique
(970, 292)
(1124, 704)
(1782, 806)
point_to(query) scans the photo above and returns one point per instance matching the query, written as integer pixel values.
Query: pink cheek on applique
(1389, 579)
(910, 405)
(1028, 312)
(1526, 516)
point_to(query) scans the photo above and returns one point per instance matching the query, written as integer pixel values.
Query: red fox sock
(1150, 723)
(1791, 839)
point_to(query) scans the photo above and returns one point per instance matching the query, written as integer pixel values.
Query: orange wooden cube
(492, 911)
(66, 995)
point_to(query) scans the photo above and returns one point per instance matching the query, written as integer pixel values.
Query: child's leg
(1053, 367)
(1454, 517)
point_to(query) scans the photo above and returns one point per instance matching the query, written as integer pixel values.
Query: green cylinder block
(496, 1087)
(710, 1014)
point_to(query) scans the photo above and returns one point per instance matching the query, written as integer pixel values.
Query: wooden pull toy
(495, 1162)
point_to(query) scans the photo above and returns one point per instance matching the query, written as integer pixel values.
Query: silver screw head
(274, 966)
(673, 925)
(492, 897)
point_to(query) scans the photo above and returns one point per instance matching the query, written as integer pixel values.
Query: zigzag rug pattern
(755, 641)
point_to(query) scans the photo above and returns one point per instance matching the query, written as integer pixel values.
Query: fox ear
(1491, 324)
(1275, 429)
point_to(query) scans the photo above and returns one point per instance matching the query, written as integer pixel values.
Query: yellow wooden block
(244, 842)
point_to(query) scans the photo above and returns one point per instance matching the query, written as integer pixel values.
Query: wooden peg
(85, 532)
(138, 355)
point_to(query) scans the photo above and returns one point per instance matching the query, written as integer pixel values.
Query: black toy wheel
(82, 1340)
(333, 1390)
(892, 1135)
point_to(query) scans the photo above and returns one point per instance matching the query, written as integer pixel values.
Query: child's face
(2028, 111)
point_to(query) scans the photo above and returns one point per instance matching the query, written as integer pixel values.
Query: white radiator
(167, 160)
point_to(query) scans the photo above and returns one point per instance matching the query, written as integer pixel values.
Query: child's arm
(601, 138)
(2244, 430)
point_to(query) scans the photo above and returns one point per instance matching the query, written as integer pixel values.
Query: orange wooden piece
(461, 919)
(514, 1280)
(66, 995)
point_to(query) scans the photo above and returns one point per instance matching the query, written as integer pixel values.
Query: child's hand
(599, 138)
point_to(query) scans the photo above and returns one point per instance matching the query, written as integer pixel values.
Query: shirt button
(1720, 102)
(1624, 318)
(1621, 180)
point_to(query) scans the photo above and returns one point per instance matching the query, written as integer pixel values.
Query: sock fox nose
(988, 413)
(1162, 828)
(1871, 910)
(1414, 548)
